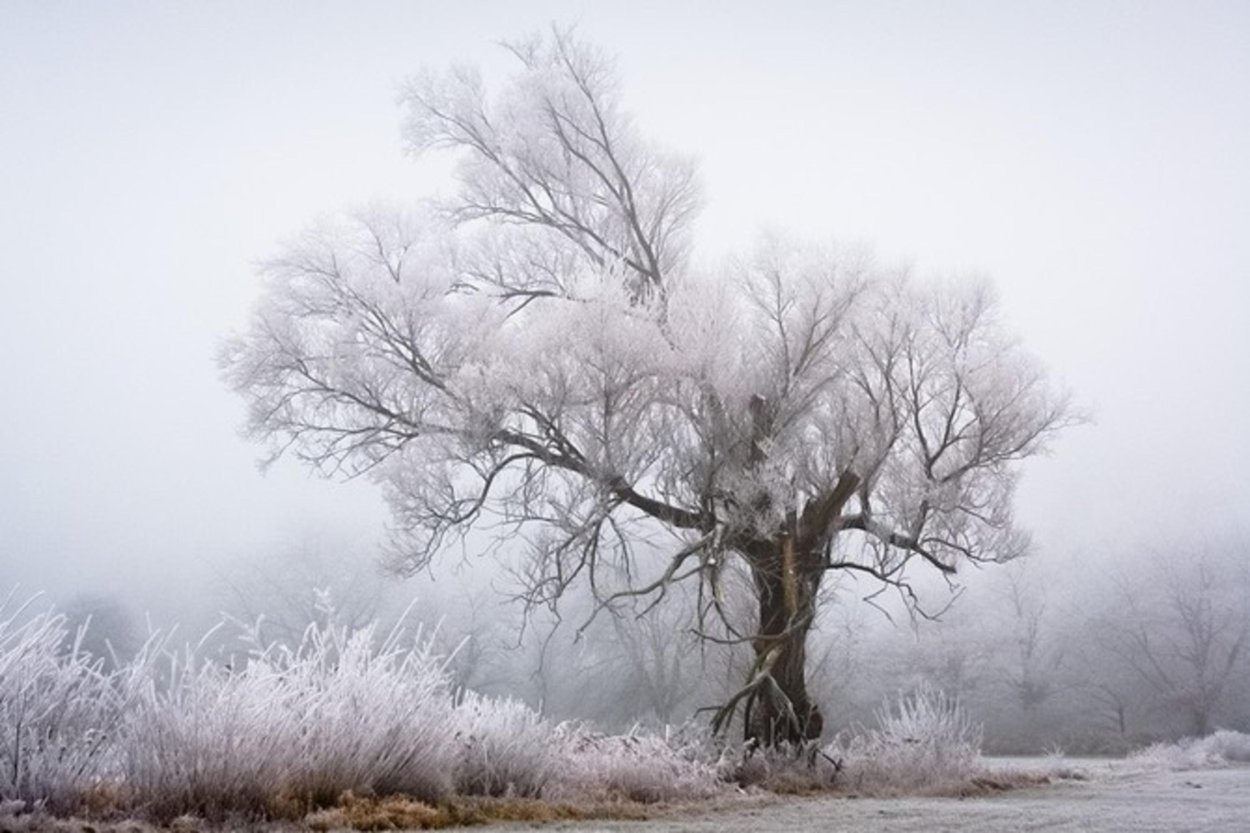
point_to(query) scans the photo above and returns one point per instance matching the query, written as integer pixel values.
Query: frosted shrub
(383, 718)
(206, 742)
(290, 730)
(1229, 746)
(638, 767)
(923, 740)
(506, 748)
(59, 712)
(293, 728)
(1217, 749)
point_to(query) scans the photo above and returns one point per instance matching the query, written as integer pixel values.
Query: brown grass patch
(103, 800)
(989, 783)
(399, 812)
(371, 813)
(982, 784)
(796, 782)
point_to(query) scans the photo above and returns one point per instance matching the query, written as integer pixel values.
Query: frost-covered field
(1116, 798)
(354, 729)
(284, 732)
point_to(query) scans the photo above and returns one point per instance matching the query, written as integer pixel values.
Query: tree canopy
(540, 356)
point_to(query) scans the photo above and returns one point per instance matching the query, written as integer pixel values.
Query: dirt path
(1111, 802)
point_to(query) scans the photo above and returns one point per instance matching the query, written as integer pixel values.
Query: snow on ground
(1116, 798)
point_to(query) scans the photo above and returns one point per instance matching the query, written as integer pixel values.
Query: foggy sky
(1089, 157)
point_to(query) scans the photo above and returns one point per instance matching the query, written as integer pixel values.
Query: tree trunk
(786, 582)
(1200, 721)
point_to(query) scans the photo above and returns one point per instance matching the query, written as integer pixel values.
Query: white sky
(1091, 157)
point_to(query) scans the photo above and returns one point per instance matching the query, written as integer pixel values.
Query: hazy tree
(474, 634)
(1113, 705)
(1033, 663)
(952, 655)
(620, 670)
(539, 356)
(102, 626)
(661, 657)
(318, 580)
(1181, 623)
(837, 663)
(309, 582)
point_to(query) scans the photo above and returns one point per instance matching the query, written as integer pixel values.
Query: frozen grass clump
(923, 741)
(59, 712)
(204, 740)
(638, 767)
(348, 722)
(290, 730)
(383, 717)
(507, 749)
(1217, 749)
(293, 728)
(1233, 747)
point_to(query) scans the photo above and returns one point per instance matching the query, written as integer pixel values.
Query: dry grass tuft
(516, 809)
(372, 813)
(797, 782)
(528, 809)
(102, 800)
(992, 783)
(399, 812)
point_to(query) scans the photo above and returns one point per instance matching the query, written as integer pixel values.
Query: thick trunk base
(779, 710)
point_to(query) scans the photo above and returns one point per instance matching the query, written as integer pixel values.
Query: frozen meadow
(352, 728)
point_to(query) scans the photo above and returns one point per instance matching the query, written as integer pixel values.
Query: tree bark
(786, 579)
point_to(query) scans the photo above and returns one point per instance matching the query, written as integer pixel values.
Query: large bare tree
(538, 356)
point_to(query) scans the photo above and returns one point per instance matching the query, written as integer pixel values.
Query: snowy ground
(1113, 800)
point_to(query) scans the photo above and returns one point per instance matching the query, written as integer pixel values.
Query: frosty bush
(638, 767)
(59, 711)
(1229, 746)
(923, 740)
(293, 728)
(1217, 749)
(507, 748)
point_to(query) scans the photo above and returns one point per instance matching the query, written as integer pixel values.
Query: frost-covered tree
(539, 357)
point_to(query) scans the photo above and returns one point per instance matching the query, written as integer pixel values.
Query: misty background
(1088, 158)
